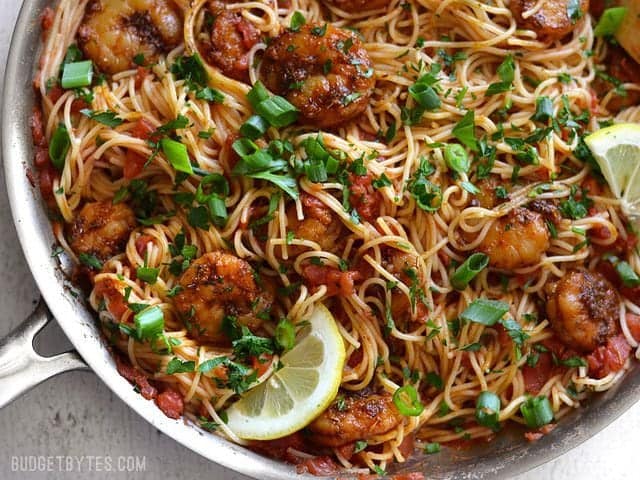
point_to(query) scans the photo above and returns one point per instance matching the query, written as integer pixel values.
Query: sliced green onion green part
(468, 270)
(610, 21)
(147, 274)
(257, 94)
(254, 127)
(59, 146)
(456, 157)
(537, 412)
(484, 311)
(149, 322)
(285, 334)
(407, 402)
(628, 276)
(488, 410)
(77, 74)
(177, 155)
(277, 111)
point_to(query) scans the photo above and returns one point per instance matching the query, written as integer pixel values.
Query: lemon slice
(297, 393)
(617, 151)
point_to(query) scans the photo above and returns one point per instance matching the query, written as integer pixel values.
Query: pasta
(457, 143)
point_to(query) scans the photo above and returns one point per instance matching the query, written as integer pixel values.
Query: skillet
(21, 368)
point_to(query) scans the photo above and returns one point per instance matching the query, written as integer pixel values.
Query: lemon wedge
(617, 151)
(299, 391)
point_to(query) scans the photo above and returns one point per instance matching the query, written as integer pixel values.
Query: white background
(75, 414)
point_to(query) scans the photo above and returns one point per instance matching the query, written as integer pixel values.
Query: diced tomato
(346, 451)
(466, 444)
(609, 358)
(444, 258)
(364, 198)
(633, 323)
(601, 232)
(315, 209)
(171, 403)
(320, 466)
(113, 298)
(42, 157)
(540, 173)
(46, 19)
(534, 435)
(136, 377)
(337, 282)
(279, 448)
(54, 93)
(46, 179)
(261, 364)
(78, 104)
(535, 377)
(250, 34)
(134, 163)
(406, 447)
(141, 244)
(592, 186)
(142, 129)
(141, 74)
(37, 128)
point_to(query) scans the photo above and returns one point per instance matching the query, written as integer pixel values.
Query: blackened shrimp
(319, 225)
(357, 6)
(321, 69)
(552, 21)
(403, 266)
(216, 285)
(231, 37)
(101, 229)
(583, 309)
(113, 32)
(516, 240)
(359, 417)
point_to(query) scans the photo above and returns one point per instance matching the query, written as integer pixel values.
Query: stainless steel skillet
(21, 368)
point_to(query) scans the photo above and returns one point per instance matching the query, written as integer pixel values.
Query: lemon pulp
(617, 151)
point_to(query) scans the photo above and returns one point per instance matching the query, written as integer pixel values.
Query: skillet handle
(21, 367)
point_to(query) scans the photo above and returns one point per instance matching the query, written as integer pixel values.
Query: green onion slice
(257, 94)
(468, 270)
(277, 111)
(456, 157)
(488, 410)
(537, 412)
(285, 334)
(254, 127)
(147, 274)
(424, 95)
(217, 210)
(484, 311)
(610, 21)
(77, 74)
(628, 276)
(149, 322)
(59, 146)
(177, 155)
(407, 401)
